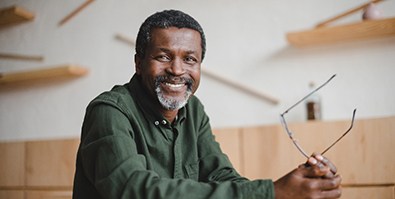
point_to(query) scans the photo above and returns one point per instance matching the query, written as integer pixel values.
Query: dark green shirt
(129, 150)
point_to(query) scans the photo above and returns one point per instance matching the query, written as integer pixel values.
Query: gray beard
(170, 103)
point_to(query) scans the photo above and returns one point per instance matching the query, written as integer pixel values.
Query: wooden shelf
(240, 87)
(350, 32)
(14, 15)
(54, 73)
(21, 57)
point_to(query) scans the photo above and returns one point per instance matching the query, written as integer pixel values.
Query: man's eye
(190, 60)
(163, 58)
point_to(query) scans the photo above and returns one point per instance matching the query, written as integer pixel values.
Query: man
(151, 138)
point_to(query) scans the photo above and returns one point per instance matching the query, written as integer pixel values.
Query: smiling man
(151, 137)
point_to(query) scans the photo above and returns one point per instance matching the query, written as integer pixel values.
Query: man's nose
(176, 67)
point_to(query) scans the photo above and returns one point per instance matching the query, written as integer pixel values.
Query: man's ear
(137, 64)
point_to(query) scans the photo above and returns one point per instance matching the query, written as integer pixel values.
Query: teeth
(174, 85)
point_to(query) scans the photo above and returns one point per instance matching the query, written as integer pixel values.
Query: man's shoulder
(119, 96)
(117, 93)
(194, 101)
(195, 105)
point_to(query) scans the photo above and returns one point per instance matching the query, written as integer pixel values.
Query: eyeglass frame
(291, 135)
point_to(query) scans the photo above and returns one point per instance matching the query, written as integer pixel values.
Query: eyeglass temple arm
(290, 134)
(315, 90)
(348, 130)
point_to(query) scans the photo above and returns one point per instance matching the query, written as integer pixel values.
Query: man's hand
(315, 179)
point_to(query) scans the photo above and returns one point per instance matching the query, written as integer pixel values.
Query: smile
(174, 85)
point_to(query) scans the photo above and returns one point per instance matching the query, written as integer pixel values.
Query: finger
(328, 163)
(333, 193)
(313, 168)
(323, 187)
(316, 163)
(329, 184)
(325, 161)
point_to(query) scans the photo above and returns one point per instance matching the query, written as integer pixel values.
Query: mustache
(170, 78)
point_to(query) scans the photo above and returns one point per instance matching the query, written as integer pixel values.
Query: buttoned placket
(177, 155)
(177, 170)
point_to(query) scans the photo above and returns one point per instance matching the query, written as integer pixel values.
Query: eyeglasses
(291, 135)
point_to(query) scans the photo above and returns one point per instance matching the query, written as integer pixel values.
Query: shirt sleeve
(111, 162)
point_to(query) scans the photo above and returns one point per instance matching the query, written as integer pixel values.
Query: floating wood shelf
(125, 39)
(75, 12)
(59, 72)
(21, 57)
(14, 15)
(351, 32)
(240, 87)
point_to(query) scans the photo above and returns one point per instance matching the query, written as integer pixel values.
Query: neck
(170, 115)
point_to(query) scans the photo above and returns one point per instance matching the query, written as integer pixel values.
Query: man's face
(170, 69)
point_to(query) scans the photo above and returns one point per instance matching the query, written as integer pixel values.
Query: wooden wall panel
(366, 155)
(361, 157)
(379, 192)
(49, 194)
(229, 140)
(51, 163)
(11, 194)
(12, 166)
(268, 153)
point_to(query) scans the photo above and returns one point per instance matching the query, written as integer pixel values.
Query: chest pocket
(192, 171)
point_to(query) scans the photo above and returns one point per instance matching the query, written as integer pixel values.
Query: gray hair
(166, 19)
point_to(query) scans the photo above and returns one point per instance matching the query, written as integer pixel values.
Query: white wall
(246, 42)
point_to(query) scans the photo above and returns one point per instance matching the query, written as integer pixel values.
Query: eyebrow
(169, 51)
(191, 52)
(165, 50)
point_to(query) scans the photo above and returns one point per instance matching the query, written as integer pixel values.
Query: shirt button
(156, 123)
(164, 122)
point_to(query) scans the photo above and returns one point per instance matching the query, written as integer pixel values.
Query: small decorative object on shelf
(313, 104)
(371, 12)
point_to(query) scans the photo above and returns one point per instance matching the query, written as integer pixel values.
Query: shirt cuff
(262, 189)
